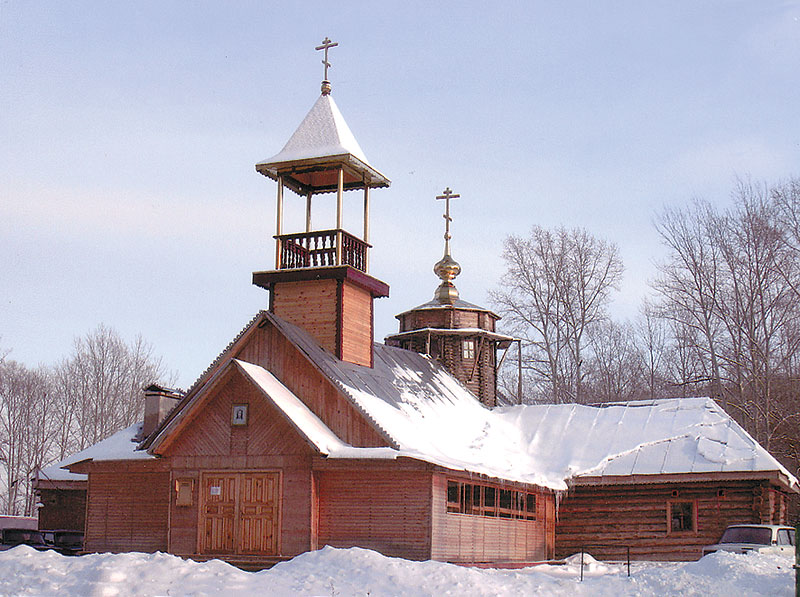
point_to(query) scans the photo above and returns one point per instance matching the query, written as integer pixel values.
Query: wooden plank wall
(267, 443)
(607, 519)
(388, 511)
(310, 305)
(127, 507)
(473, 539)
(356, 324)
(271, 350)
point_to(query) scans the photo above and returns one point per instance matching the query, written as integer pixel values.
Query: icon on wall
(239, 414)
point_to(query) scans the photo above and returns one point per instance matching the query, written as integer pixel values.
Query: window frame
(468, 349)
(670, 505)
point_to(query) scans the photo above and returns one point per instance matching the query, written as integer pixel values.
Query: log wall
(62, 509)
(127, 506)
(606, 519)
(470, 538)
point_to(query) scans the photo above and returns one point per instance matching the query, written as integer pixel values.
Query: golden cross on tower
(326, 45)
(447, 194)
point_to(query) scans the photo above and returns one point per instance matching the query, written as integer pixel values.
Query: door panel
(239, 513)
(219, 513)
(259, 513)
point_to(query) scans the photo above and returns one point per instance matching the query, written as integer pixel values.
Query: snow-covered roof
(322, 133)
(639, 438)
(120, 446)
(437, 304)
(429, 415)
(306, 422)
(322, 146)
(426, 414)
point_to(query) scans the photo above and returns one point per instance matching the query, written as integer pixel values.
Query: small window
(721, 493)
(468, 349)
(681, 516)
(791, 536)
(184, 488)
(783, 537)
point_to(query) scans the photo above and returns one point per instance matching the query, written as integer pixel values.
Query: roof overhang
(267, 279)
(320, 174)
(773, 477)
(502, 340)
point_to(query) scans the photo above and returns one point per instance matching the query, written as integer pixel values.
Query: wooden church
(305, 432)
(296, 438)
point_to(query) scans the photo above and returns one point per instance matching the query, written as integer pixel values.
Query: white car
(741, 538)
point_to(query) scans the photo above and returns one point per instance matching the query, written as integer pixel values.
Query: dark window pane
(505, 498)
(489, 496)
(452, 492)
(682, 514)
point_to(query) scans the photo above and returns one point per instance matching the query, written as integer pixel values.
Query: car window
(783, 537)
(755, 535)
(12, 536)
(791, 536)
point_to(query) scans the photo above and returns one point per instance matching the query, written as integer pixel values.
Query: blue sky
(129, 134)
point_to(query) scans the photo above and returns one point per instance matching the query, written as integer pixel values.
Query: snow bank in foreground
(346, 572)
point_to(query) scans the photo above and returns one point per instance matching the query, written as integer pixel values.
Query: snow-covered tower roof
(321, 145)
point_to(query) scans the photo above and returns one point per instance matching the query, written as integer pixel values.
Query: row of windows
(485, 500)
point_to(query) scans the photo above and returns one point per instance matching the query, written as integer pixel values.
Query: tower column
(366, 224)
(339, 209)
(279, 223)
(308, 211)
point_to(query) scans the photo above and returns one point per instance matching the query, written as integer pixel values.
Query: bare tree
(26, 432)
(616, 367)
(100, 386)
(730, 289)
(556, 287)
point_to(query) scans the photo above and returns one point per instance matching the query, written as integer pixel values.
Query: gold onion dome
(447, 269)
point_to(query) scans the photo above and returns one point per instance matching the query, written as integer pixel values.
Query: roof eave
(368, 175)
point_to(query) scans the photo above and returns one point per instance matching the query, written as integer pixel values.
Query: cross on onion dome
(447, 194)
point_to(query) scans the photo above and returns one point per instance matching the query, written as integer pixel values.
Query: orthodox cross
(326, 45)
(447, 194)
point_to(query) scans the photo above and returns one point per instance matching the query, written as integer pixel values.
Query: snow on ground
(351, 572)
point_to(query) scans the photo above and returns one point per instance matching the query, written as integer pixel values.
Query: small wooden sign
(239, 414)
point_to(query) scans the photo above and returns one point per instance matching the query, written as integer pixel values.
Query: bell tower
(458, 334)
(320, 281)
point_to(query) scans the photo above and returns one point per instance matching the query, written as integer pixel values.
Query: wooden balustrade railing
(319, 249)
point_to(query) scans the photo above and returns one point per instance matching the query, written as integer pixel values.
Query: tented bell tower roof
(318, 148)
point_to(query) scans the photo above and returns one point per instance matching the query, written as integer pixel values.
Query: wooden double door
(240, 513)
